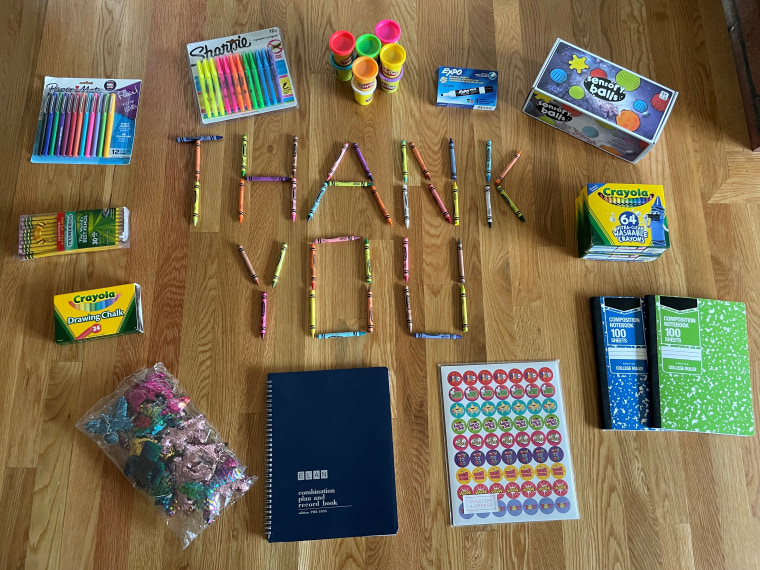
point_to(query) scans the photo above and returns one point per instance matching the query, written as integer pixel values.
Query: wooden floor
(650, 500)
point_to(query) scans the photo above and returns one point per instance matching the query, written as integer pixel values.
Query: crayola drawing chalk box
(599, 102)
(98, 313)
(623, 222)
(467, 88)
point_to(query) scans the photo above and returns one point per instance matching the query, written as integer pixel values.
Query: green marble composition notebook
(701, 380)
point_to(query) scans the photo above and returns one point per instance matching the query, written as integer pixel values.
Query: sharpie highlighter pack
(86, 121)
(242, 75)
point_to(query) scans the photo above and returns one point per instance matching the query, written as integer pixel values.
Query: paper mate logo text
(451, 71)
(604, 89)
(230, 46)
(553, 111)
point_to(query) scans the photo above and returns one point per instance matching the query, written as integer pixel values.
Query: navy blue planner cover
(330, 471)
(621, 363)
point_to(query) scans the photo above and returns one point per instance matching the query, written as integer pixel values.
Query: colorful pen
(56, 122)
(80, 122)
(211, 70)
(488, 161)
(275, 78)
(204, 93)
(438, 335)
(489, 215)
(509, 166)
(230, 85)
(73, 127)
(219, 72)
(91, 127)
(405, 256)
(268, 71)
(341, 334)
(109, 126)
(263, 314)
(231, 68)
(249, 80)
(103, 121)
(62, 114)
(367, 265)
(263, 78)
(255, 75)
(363, 162)
(217, 110)
(438, 201)
(39, 142)
(408, 305)
(276, 277)
(85, 124)
(49, 127)
(243, 82)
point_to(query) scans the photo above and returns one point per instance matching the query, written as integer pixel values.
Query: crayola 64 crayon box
(599, 102)
(623, 222)
(97, 313)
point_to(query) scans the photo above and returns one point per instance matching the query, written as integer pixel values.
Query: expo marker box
(261, 82)
(599, 102)
(622, 222)
(112, 311)
(467, 88)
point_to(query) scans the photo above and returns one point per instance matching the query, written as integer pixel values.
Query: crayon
(370, 311)
(452, 154)
(367, 265)
(507, 169)
(354, 184)
(460, 255)
(103, 122)
(109, 127)
(403, 160)
(489, 214)
(293, 183)
(248, 264)
(211, 70)
(218, 72)
(205, 138)
(52, 101)
(263, 314)
(268, 178)
(313, 210)
(424, 168)
(511, 204)
(438, 201)
(197, 183)
(341, 334)
(455, 196)
(438, 336)
(243, 167)
(313, 263)
(276, 277)
(408, 305)
(463, 297)
(488, 161)
(363, 162)
(380, 204)
(335, 239)
(405, 256)
(405, 200)
(80, 122)
(313, 312)
(337, 162)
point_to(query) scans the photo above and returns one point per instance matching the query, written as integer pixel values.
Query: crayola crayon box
(98, 313)
(599, 102)
(622, 222)
(467, 88)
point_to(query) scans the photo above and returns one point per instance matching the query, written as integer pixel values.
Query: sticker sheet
(507, 450)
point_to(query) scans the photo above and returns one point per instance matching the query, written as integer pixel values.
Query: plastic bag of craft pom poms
(168, 450)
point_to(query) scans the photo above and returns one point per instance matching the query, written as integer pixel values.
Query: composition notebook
(507, 452)
(622, 368)
(699, 358)
(329, 452)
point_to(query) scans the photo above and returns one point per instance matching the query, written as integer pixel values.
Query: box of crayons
(112, 311)
(60, 233)
(241, 75)
(622, 222)
(599, 102)
(86, 121)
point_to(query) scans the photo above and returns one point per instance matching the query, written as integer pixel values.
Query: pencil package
(60, 233)
(86, 121)
(85, 315)
(242, 75)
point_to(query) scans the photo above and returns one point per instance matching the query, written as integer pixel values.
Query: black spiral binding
(268, 466)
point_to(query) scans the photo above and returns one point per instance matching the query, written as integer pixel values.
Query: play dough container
(368, 45)
(342, 47)
(392, 58)
(342, 73)
(363, 96)
(365, 71)
(388, 84)
(388, 31)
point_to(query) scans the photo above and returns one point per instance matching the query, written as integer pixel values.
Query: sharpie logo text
(230, 46)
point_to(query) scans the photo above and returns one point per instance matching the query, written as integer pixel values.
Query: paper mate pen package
(467, 88)
(98, 313)
(86, 121)
(599, 102)
(242, 75)
(623, 222)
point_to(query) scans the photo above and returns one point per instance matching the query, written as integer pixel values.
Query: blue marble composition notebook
(330, 471)
(621, 363)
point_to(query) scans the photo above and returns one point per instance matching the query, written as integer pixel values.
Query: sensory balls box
(599, 102)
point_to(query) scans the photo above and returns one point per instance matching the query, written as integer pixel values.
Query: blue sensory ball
(558, 75)
(640, 106)
(590, 132)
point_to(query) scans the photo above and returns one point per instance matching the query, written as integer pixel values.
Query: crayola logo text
(553, 111)
(604, 88)
(230, 46)
(638, 193)
(93, 298)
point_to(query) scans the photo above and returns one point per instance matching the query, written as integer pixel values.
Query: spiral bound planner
(329, 456)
